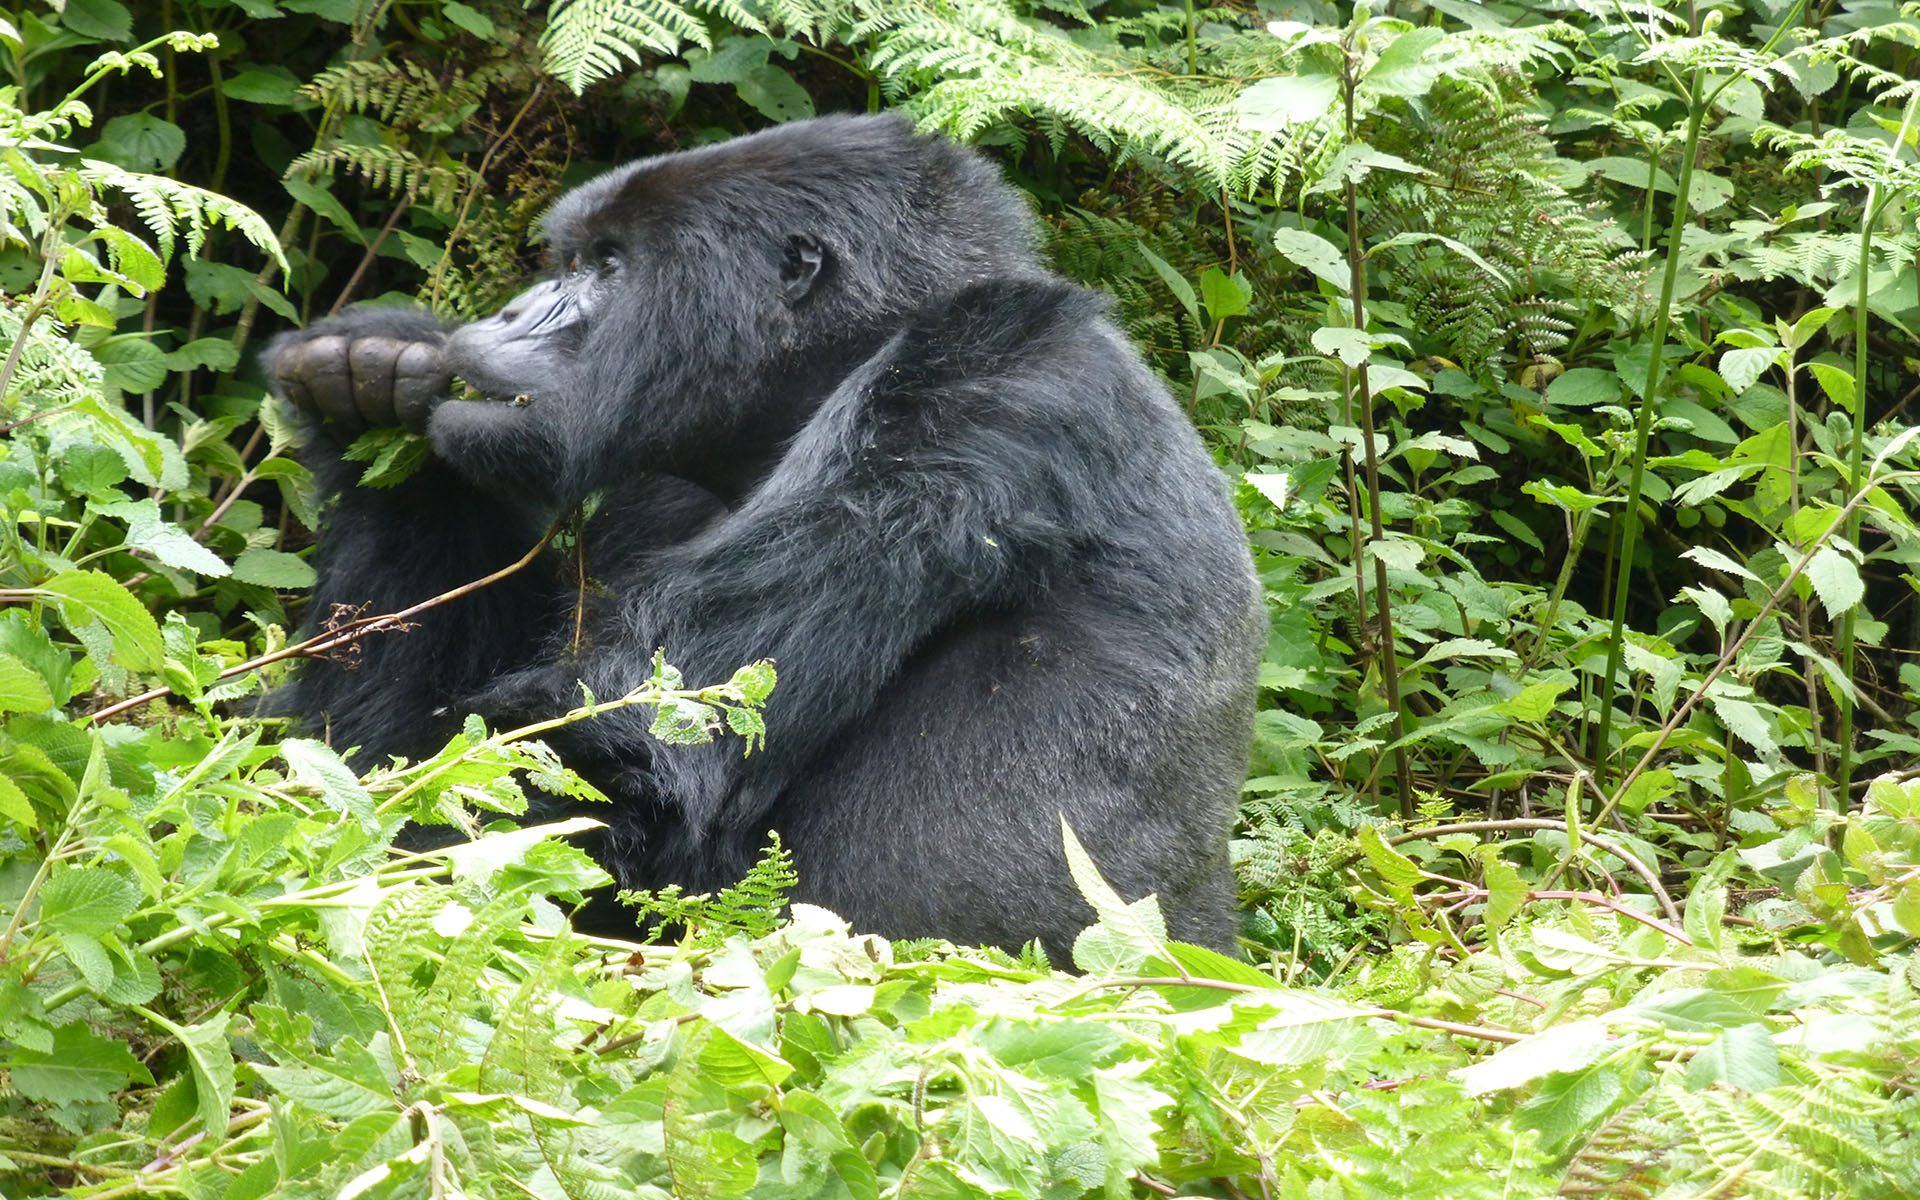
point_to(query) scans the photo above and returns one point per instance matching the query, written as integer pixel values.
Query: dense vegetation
(1563, 354)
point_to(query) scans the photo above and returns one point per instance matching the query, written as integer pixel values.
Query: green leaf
(1316, 254)
(84, 597)
(1584, 387)
(316, 765)
(140, 142)
(774, 94)
(1569, 1104)
(1506, 892)
(1632, 172)
(1067, 1050)
(1272, 105)
(81, 1068)
(1836, 382)
(1836, 580)
(150, 533)
(105, 20)
(469, 19)
(22, 689)
(1535, 702)
(1350, 346)
(812, 1122)
(274, 569)
(1394, 867)
(1137, 927)
(1401, 69)
(322, 202)
(213, 353)
(1743, 1057)
(1225, 295)
(1743, 368)
(87, 900)
(263, 85)
(1176, 282)
(132, 364)
(732, 62)
(15, 806)
(211, 1055)
(1745, 722)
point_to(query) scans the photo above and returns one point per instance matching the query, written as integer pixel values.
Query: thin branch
(341, 635)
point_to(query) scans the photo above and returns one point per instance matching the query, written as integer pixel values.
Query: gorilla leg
(938, 813)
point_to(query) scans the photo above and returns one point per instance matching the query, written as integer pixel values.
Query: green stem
(1877, 199)
(1362, 394)
(1643, 432)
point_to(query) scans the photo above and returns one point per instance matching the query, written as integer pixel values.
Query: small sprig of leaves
(692, 720)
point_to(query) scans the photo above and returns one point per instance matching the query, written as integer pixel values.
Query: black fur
(840, 417)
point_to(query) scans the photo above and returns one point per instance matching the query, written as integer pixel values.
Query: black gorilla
(838, 416)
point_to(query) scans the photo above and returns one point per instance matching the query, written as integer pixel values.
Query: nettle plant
(96, 498)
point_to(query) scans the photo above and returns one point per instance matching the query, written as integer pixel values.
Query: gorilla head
(701, 304)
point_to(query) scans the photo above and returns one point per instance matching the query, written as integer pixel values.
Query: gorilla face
(644, 346)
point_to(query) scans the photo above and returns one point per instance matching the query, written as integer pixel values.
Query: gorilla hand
(369, 367)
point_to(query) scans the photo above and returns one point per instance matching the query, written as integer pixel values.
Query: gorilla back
(839, 416)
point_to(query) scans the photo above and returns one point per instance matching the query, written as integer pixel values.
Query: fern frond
(393, 169)
(169, 207)
(586, 41)
(52, 372)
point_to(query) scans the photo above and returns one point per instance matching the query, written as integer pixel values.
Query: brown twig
(1513, 823)
(340, 635)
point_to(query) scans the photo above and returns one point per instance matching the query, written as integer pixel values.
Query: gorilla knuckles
(838, 416)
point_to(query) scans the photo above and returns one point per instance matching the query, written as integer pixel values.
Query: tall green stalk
(1697, 109)
(1878, 197)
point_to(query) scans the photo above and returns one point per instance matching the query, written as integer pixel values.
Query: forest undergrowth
(1561, 354)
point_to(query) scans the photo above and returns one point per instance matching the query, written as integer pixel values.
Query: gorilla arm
(938, 480)
(384, 549)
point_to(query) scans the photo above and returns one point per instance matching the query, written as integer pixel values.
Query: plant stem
(1643, 432)
(1877, 200)
(1362, 398)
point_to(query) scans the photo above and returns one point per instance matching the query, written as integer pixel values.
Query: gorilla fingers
(368, 369)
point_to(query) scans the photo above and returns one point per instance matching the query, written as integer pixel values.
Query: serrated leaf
(1138, 926)
(1393, 866)
(152, 534)
(318, 766)
(1836, 580)
(15, 806)
(22, 689)
(1712, 605)
(1743, 1057)
(1743, 368)
(1714, 560)
(87, 900)
(1271, 105)
(1536, 700)
(274, 569)
(85, 597)
(1316, 254)
(1745, 722)
(1506, 892)
(1836, 382)
(81, 1068)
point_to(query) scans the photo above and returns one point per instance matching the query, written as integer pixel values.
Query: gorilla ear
(801, 267)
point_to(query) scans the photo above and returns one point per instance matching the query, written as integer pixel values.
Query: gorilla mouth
(468, 392)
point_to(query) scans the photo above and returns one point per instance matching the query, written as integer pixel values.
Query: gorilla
(831, 411)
